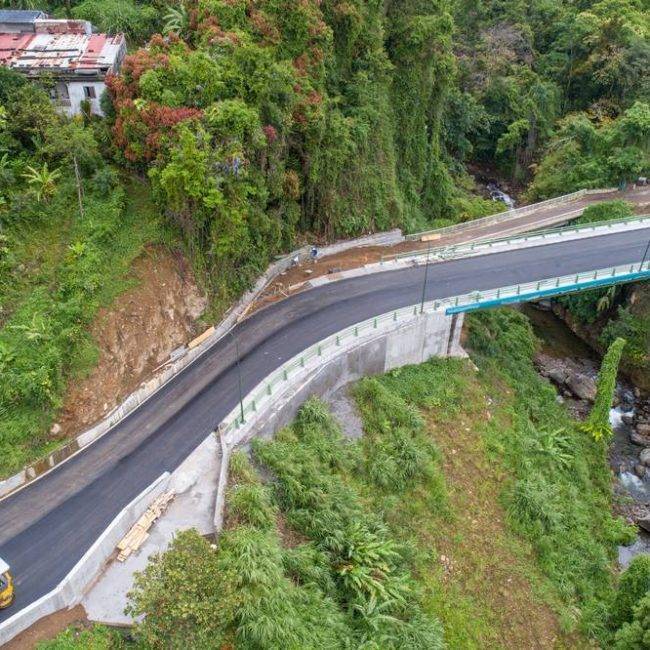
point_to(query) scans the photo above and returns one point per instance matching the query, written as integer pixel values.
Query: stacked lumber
(139, 532)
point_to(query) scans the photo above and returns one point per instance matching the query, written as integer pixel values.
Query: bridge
(48, 525)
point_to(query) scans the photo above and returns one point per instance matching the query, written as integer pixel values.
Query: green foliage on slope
(598, 421)
(559, 495)
(57, 266)
(301, 566)
(525, 65)
(273, 118)
(634, 584)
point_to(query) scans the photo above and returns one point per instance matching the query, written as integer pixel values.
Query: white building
(65, 51)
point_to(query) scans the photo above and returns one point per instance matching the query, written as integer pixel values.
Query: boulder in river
(638, 439)
(582, 386)
(644, 523)
(643, 429)
(644, 457)
(557, 375)
(640, 470)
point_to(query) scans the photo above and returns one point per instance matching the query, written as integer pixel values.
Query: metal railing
(454, 251)
(548, 287)
(501, 217)
(316, 355)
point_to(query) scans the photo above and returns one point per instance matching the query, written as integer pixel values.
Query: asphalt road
(47, 526)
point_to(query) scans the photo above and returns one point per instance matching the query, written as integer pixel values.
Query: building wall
(16, 28)
(76, 95)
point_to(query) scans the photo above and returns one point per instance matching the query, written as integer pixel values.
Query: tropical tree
(176, 20)
(43, 181)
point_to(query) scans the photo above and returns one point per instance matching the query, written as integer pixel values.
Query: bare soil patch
(135, 335)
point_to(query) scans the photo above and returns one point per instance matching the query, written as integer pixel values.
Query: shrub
(606, 211)
(397, 454)
(251, 504)
(366, 565)
(633, 585)
(598, 421)
(636, 634)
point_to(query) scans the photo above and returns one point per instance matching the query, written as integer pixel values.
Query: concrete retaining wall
(427, 335)
(71, 589)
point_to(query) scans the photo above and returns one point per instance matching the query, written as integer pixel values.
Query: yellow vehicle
(6, 585)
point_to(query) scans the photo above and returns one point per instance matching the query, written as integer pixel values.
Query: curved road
(47, 526)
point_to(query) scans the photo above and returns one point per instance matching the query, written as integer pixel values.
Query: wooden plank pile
(139, 532)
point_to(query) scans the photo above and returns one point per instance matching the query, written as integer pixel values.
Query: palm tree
(43, 181)
(6, 174)
(176, 20)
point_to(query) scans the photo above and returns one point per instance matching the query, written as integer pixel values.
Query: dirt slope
(135, 335)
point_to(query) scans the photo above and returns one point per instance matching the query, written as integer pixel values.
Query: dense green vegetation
(58, 266)
(559, 494)
(556, 89)
(598, 421)
(259, 121)
(303, 563)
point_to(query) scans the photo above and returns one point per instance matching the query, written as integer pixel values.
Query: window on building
(89, 92)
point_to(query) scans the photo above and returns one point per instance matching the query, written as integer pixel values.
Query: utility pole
(426, 277)
(77, 176)
(647, 249)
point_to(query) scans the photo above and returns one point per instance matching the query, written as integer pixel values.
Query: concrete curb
(462, 251)
(70, 590)
(222, 484)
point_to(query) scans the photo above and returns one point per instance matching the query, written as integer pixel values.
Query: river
(559, 342)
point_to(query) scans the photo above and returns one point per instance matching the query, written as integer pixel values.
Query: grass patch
(557, 493)
(478, 576)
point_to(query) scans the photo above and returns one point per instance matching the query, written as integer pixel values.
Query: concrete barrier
(70, 590)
